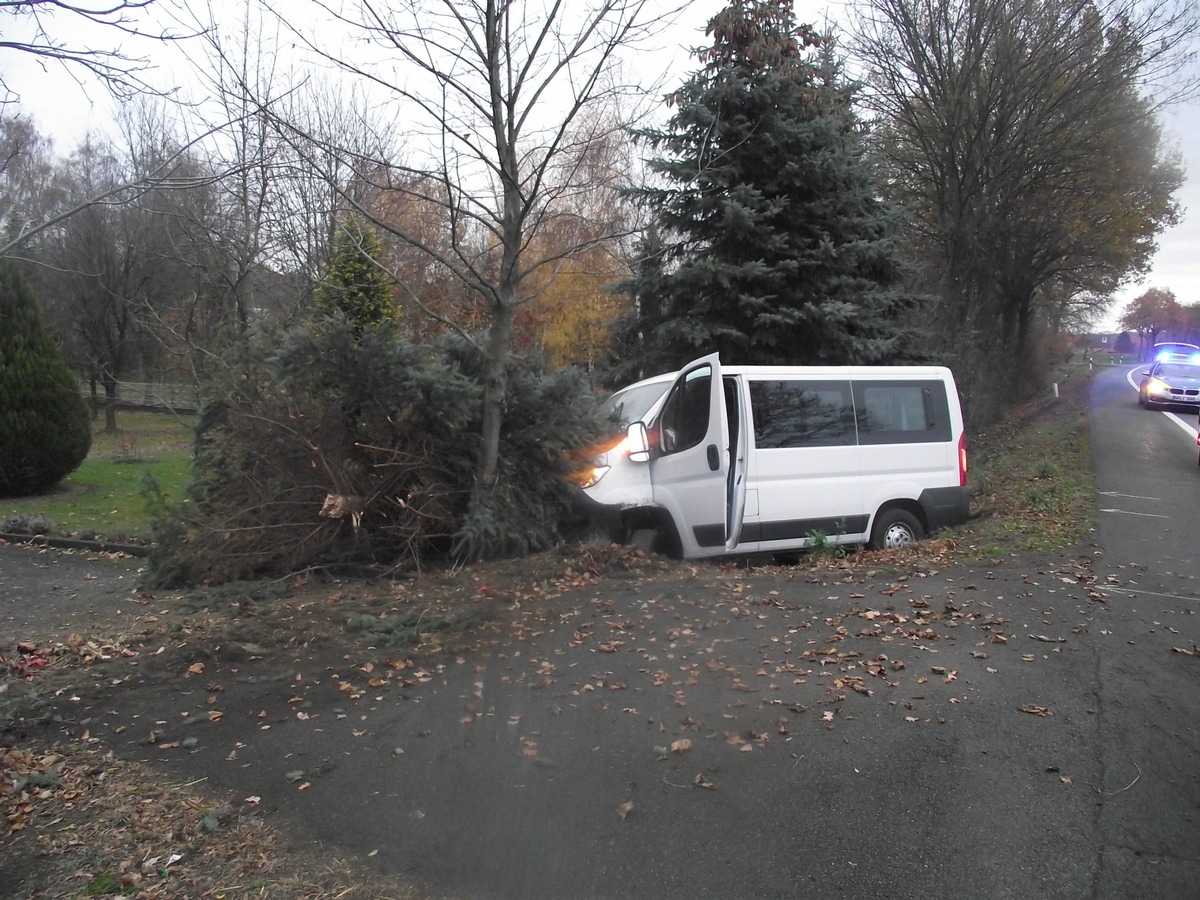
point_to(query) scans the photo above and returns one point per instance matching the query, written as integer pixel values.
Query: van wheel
(644, 539)
(895, 528)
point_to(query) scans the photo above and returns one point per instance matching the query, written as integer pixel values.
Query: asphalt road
(1026, 729)
(1148, 836)
(48, 591)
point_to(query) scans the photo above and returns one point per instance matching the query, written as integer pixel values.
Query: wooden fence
(149, 395)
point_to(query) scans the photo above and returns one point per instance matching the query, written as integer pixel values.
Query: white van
(748, 459)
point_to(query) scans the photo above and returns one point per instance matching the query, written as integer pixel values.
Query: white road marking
(1124, 590)
(1129, 512)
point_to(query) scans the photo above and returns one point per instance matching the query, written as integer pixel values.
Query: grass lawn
(104, 495)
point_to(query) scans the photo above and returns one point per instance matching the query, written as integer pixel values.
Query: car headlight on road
(1157, 387)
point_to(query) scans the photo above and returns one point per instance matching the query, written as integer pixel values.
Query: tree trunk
(499, 351)
(110, 404)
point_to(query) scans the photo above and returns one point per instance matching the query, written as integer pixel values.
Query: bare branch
(121, 72)
(159, 177)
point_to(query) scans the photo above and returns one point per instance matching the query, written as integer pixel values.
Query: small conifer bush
(45, 432)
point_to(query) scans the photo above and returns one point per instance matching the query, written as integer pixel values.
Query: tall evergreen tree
(778, 248)
(45, 432)
(356, 284)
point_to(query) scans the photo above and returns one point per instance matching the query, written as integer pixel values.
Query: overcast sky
(67, 110)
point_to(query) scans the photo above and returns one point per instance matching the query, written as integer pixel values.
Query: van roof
(815, 371)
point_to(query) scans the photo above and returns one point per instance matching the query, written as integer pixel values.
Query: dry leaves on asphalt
(96, 824)
(1035, 710)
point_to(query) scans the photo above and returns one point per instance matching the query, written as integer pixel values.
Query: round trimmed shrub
(45, 432)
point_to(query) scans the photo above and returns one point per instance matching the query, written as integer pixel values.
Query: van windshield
(631, 404)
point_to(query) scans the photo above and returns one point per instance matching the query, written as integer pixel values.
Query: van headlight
(602, 462)
(589, 477)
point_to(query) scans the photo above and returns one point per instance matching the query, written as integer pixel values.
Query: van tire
(895, 528)
(644, 539)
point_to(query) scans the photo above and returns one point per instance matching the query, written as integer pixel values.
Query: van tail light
(962, 460)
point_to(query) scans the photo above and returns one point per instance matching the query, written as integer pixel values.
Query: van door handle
(714, 458)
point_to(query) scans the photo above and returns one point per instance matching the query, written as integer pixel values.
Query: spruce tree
(778, 249)
(356, 285)
(45, 432)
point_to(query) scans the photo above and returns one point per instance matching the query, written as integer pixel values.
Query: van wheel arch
(895, 527)
(647, 527)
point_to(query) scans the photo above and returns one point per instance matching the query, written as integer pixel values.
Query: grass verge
(103, 497)
(1033, 483)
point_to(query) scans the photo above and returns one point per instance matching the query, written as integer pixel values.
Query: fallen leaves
(854, 682)
(1034, 710)
(131, 832)
(948, 675)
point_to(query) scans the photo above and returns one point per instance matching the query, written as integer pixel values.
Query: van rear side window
(831, 414)
(902, 412)
(801, 414)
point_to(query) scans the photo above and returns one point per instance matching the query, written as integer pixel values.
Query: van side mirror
(639, 442)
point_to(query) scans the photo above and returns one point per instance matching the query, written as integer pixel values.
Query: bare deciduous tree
(291, 144)
(26, 167)
(114, 269)
(37, 28)
(491, 99)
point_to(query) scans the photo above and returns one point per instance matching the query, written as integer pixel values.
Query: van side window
(902, 412)
(685, 415)
(801, 414)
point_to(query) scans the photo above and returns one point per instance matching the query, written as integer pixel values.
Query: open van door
(689, 473)
(738, 420)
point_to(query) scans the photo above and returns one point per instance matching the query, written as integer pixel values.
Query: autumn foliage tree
(570, 316)
(1153, 313)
